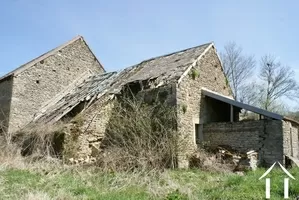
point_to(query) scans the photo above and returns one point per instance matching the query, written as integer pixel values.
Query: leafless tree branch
(237, 67)
(279, 82)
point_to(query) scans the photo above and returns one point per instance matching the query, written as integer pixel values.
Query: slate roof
(44, 56)
(168, 67)
(163, 69)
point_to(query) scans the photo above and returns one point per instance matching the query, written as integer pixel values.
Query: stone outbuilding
(191, 80)
(24, 91)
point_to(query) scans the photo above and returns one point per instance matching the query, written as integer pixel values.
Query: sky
(122, 33)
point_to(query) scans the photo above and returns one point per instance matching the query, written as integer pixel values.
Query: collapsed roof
(163, 70)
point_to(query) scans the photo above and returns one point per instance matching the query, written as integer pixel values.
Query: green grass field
(79, 183)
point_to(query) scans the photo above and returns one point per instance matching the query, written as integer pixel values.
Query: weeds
(40, 140)
(140, 136)
(194, 74)
(184, 108)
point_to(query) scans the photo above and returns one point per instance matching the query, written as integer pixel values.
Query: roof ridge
(179, 51)
(41, 57)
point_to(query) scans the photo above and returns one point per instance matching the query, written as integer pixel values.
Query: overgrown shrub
(140, 136)
(40, 140)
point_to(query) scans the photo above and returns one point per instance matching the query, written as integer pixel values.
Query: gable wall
(189, 96)
(37, 85)
(5, 99)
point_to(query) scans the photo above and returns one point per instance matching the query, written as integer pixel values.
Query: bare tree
(237, 68)
(278, 81)
(249, 94)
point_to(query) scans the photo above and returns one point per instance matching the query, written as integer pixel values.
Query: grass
(80, 183)
(130, 146)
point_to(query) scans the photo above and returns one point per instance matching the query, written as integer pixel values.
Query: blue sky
(124, 32)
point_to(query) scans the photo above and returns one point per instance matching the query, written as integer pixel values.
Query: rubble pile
(224, 159)
(240, 161)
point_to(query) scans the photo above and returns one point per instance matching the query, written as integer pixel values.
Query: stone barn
(194, 82)
(24, 90)
(191, 80)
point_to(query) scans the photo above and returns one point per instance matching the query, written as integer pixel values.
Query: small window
(197, 133)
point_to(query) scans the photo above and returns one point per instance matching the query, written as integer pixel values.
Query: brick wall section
(189, 98)
(43, 81)
(5, 99)
(241, 136)
(264, 136)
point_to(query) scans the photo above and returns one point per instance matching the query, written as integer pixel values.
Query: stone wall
(44, 80)
(290, 142)
(88, 130)
(263, 136)
(207, 73)
(91, 124)
(164, 94)
(5, 99)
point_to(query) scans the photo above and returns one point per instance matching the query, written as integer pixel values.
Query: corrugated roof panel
(231, 101)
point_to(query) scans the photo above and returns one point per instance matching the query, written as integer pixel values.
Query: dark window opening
(197, 139)
(132, 89)
(57, 144)
(288, 162)
(163, 96)
(75, 111)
